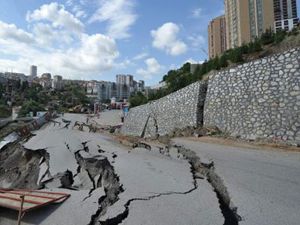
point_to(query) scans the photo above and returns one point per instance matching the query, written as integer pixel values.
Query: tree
(216, 63)
(24, 85)
(138, 99)
(18, 84)
(223, 61)
(235, 55)
(245, 48)
(197, 75)
(204, 68)
(1, 90)
(30, 106)
(4, 111)
(186, 68)
(158, 94)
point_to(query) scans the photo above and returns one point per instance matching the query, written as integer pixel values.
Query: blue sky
(97, 39)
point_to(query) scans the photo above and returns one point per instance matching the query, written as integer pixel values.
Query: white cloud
(80, 13)
(124, 64)
(119, 14)
(197, 13)
(56, 14)
(97, 52)
(77, 8)
(11, 32)
(86, 56)
(196, 40)
(165, 38)
(10, 65)
(153, 68)
(46, 35)
(140, 56)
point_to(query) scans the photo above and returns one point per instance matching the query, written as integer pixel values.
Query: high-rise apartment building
(125, 79)
(285, 13)
(121, 79)
(33, 71)
(129, 80)
(217, 36)
(106, 90)
(124, 86)
(57, 82)
(247, 19)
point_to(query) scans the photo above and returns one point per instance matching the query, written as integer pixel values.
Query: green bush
(138, 99)
(236, 55)
(30, 106)
(279, 36)
(245, 48)
(294, 31)
(267, 37)
(223, 61)
(254, 46)
(4, 111)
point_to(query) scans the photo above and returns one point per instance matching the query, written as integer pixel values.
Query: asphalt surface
(263, 184)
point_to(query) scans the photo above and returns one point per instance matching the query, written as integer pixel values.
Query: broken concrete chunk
(67, 179)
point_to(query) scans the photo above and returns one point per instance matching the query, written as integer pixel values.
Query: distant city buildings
(104, 91)
(92, 88)
(217, 36)
(107, 90)
(13, 76)
(140, 85)
(124, 86)
(81, 83)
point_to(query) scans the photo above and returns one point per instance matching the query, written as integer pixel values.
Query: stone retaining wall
(136, 120)
(260, 99)
(177, 110)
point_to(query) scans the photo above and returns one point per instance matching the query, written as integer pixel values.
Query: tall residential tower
(285, 13)
(217, 36)
(33, 71)
(247, 19)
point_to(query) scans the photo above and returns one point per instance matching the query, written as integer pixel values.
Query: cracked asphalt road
(155, 185)
(141, 174)
(264, 185)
